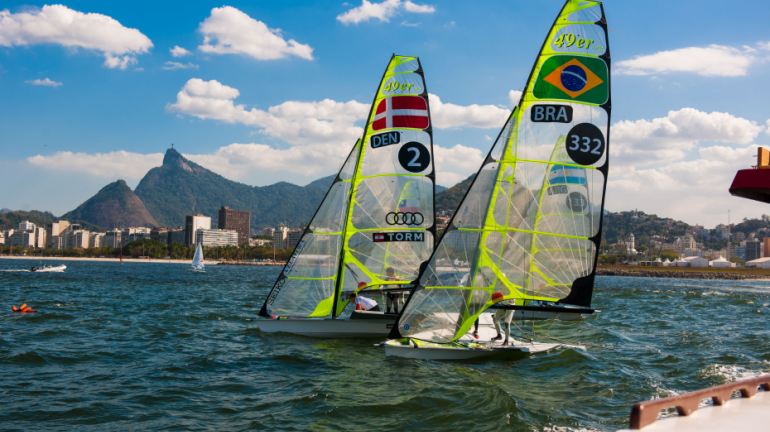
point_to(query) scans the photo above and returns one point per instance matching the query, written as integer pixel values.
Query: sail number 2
(567, 40)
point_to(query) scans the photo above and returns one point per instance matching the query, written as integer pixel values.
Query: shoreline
(138, 260)
(751, 274)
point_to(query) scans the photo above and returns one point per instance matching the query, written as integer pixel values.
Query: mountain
(115, 204)
(440, 189)
(11, 220)
(5, 210)
(180, 187)
(450, 198)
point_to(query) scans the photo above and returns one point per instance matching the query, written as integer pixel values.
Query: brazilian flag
(574, 79)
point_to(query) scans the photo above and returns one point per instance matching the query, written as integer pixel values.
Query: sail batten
(529, 225)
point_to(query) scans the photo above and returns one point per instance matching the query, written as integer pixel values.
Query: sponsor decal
(558, 190)
(398, 218)
(399, 85)
(388, 237)
(564, 41)
(551, 114)
(414, 157)
(294, 257)
(585, 144)
(385, 139)
(276, 290)
(401, 112)
(573, 78)
(406, 326)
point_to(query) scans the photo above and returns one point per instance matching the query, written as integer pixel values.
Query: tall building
(95, 240)
(279, 237)
(23, 238)
(193, 223)
(160, 234)
(40, 237)
(210, 237)
(54, 229)
(176, 236)
(753, 250)
(292, 239)
(268, 231)
(766, 242)
(236, 220)
(134, 233)
(26, 226)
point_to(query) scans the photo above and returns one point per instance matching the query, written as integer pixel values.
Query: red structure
(754, 183)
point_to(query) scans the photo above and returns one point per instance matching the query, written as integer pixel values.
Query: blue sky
(84, 104)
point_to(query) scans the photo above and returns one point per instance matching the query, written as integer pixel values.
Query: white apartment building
(112, 238)
(26, 226)
(216, 237)
(55, 230)
(192, 224)
(23, 238)
(95, 240)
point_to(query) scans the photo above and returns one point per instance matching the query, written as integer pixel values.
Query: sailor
(393, 298)
(364, 303)
(506, 314)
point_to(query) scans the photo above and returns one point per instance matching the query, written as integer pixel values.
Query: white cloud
(326, 121)
(44, 82)
(714, 60)
(408, 24)
(694, 191)
(57, 24)
(169, 65)
(514, 96)
(667, 139)
(487, 137)
(119, 62)
(456, 163)
(381, 11)
(764, 45)
(447, 115)
(178, 51)
(450, 24)
(109, 165)
(229, 31)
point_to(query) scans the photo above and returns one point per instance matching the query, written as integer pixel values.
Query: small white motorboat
(48, 269)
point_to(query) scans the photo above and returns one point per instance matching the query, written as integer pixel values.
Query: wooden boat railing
(645, 413)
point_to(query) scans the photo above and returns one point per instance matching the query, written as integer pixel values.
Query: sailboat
(197, 262)
(375, 226)
(529, 227)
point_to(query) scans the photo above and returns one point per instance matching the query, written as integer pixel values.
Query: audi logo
(399, 218)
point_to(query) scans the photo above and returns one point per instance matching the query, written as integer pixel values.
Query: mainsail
(529, 226)
(378, 213)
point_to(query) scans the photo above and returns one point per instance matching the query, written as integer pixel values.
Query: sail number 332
(585, 144)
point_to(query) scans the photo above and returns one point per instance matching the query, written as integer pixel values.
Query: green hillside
(180, 187)
(450, 198)
(115, 205)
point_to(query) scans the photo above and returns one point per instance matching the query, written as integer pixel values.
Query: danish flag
(401, 112)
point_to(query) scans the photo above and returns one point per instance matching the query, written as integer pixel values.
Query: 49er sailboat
(529, 227)
(374, 228)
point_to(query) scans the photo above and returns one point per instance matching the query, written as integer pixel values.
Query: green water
(156, 347)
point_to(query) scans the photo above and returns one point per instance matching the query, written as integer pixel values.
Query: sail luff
(528, 245)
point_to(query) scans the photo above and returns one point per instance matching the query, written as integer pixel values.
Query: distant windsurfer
(393, 298)
(364, 303)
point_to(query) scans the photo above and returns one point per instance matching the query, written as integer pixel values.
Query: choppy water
(153, 347)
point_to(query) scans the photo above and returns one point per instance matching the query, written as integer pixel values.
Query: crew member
(364, 303)
(506, 314)
(393, 298)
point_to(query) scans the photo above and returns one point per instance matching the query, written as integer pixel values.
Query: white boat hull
(371, 326)
(542, 315)
(57, 269)
(516, 349)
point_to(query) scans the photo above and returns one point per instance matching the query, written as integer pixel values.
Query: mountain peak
(114, 203)
(175, 159)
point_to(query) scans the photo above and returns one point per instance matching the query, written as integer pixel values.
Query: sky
(262, 92)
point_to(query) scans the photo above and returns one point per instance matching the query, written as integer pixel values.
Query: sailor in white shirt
(364, 303)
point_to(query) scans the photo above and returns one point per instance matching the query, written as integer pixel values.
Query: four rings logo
(407, 218)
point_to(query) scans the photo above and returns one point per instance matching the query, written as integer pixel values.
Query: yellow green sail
(377, 215)
(530, 224)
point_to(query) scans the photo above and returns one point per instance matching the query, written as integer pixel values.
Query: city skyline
(260, 105)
